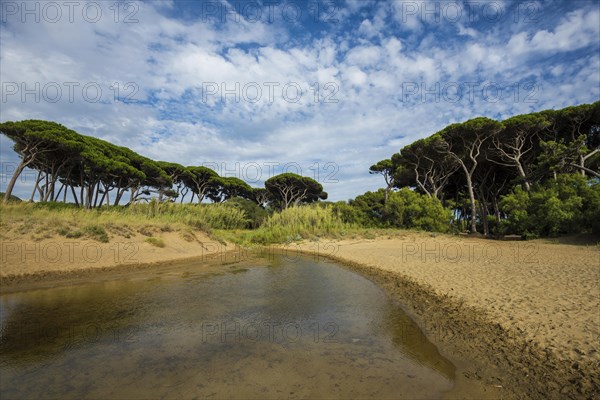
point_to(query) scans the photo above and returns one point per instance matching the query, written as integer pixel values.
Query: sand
(530, 308)
(521, 317)
(23, 260)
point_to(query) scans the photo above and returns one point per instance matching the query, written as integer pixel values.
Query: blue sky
(255, 88)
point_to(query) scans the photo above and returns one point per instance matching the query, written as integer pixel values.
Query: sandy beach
(531, 308)
(23, 260)
(522, 317)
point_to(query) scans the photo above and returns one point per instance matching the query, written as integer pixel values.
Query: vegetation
(533, 175)
(11, 198)
(295, 223)
(291, 190)
(405, 209)
(158, 242)
(91, 171)
(101, 224)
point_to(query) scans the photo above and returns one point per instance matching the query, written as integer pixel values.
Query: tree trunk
(81, 191)
(107, 192)
(59, 191)
(473, 205)
(40, 191)
(484, 214)
(46, 189)
(133, 196)
(74, 195)
(118, 196)
(524, 176)
(13, 180)
(37, 181)
(97, 190)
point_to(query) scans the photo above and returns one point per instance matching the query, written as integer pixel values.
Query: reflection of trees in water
(407, 335)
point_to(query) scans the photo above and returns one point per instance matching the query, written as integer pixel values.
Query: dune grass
(43, 220)
(158, 242)
(293, 224)
(223, 222)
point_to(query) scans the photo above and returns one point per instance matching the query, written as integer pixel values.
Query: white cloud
(169, 59)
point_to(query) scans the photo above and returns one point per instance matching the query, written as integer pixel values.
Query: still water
(269, 328)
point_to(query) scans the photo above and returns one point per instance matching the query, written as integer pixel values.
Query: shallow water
(272, 328)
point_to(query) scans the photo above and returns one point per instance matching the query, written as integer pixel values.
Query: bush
(570, 204)
(255, 214)
(158, 242)
(96, 232)
(404, 209)
(11, 199)
(297, 223)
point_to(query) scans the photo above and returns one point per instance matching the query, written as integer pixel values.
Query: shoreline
(485, 350)
(496, 360)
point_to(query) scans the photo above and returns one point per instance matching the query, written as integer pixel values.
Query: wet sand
(532, 309)
(520, 318)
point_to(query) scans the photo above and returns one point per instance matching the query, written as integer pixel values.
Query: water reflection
(283, 328)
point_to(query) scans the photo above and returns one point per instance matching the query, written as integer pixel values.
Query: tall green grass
(32, 217)
(296, 223)
(292, 224)
(203, 216)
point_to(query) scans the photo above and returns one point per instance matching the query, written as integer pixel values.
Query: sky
(256, 88)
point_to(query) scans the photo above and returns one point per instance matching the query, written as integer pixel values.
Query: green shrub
(570, 204)
(255, 214)
(404, 209)
(96, 232)
(158, 242)
(302, 222)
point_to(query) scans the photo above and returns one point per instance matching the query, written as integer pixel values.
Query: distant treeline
(95, 172)
(536, 174)
(532, 174)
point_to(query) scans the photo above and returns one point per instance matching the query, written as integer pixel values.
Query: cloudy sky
(255, 88)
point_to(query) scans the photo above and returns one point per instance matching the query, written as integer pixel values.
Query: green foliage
(287, 190)
(569, 204)
(297, 223)
(254, 213)
(96, 232)
(157, 242)
(12, 198)
(202, 216)
(404, 209)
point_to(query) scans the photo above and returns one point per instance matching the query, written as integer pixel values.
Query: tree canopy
(471, 166)
(290, 189)
(91, 171)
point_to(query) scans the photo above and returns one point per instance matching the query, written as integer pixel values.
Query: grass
(222, 222)
(292, 224)
(158, 242)
(73, 222)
